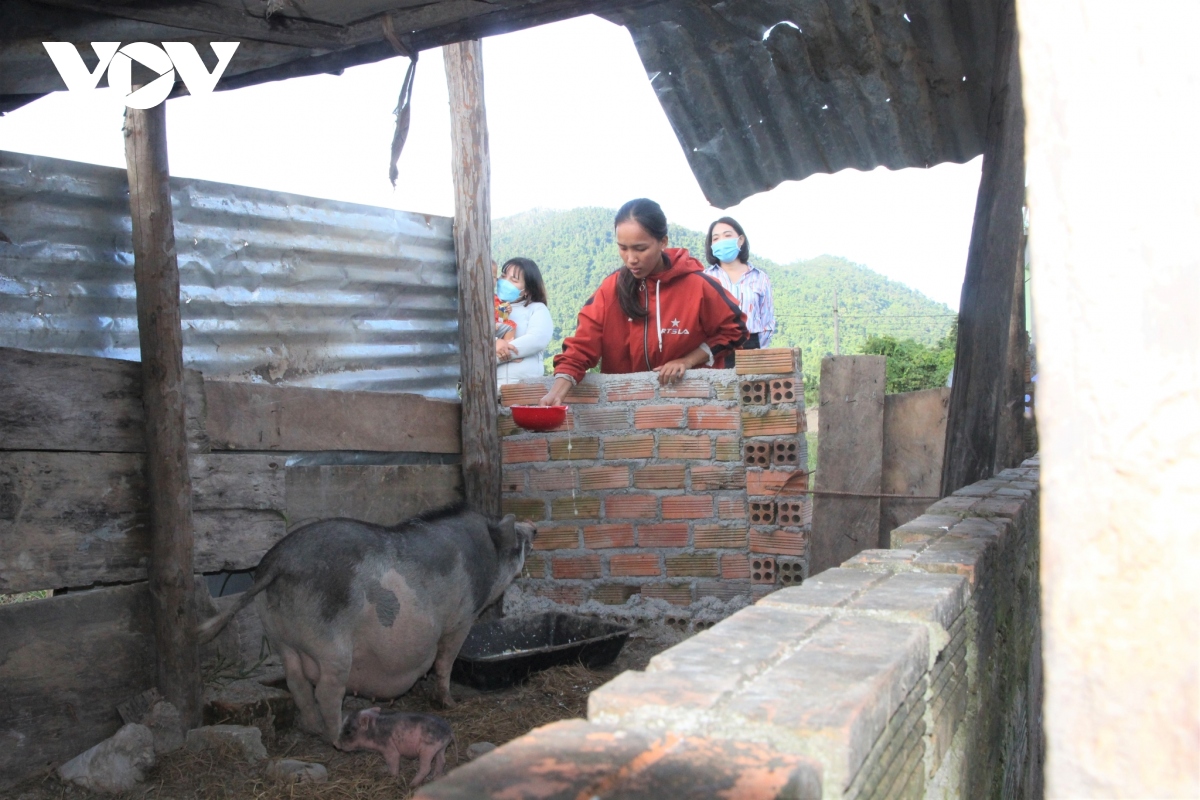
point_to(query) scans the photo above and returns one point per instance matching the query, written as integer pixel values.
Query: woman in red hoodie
(659, 312)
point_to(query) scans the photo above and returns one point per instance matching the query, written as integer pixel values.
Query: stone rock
(166, 723)
(245, 701)
(116, 764)
(478, 749)
(241, 738)
(291, 771)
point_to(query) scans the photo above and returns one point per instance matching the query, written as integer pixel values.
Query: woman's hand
(557, 392)
(505, 350)
(672, 371)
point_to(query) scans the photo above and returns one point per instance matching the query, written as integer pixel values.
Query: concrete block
(833, 588)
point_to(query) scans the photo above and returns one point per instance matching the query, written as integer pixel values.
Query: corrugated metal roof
(763, 91)
(274, 286)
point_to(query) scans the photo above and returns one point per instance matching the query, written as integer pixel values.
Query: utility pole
(837, 336)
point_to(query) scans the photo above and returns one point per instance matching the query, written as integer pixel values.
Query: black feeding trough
(503, 652)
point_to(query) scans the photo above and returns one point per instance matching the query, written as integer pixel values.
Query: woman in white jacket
(521, 357)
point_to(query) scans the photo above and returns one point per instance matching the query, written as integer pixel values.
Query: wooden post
(986, 311)
(473, 247)
(156, 274)
(1010, 422)
(849, 458)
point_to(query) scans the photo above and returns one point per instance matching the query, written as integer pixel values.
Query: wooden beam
(156, 276)
(1010, 423)
(914, 433)
(473, 246)
(986, 310)
(849, 459)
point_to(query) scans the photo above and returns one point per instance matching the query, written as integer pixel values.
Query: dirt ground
(496, 717)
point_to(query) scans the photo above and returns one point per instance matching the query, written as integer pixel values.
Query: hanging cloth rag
(403, 110)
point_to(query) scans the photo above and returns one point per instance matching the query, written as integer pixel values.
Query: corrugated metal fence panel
(274, 287)
(764, 91)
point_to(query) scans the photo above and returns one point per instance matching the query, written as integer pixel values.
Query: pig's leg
(302, 691)
(426, 760)
(331, 689)
(391, 755)
(448, 647)
(439, 762)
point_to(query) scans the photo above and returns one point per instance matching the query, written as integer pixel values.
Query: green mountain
(575, 250)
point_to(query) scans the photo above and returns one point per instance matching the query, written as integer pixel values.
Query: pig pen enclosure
(322, 341)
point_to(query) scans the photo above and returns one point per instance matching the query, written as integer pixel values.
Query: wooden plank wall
(914, 438)
(73, 511)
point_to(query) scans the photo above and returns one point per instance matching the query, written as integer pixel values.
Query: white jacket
(534, 329)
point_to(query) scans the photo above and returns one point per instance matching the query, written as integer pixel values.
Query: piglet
(396, 734)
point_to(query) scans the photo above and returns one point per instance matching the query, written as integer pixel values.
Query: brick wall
(675, 493)
(908, 672)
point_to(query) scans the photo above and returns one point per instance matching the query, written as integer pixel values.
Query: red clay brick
(604, 477)
(517, 451)
(713, 418)
(584, 393)
(630, 506)
(752, 393)
(776, 422)
(729, 448)
(784, 390)
(602, 418)
(626, 390)
(726, 390)
(576, 566)
(691, 388)
(702, 565)
(535, 566)
(660, 476)
(718, 477)
(763, 570)
(664, 534)
(634, 565)
(731, 508)
(771, 361)
(676, 595)
(678, 446)
(524, 507)
(614, 594)
(512, 481)
(575, 508)
(505, 426)
(769, 482)
(735, 566)
(776, 542)
(706, 537)
(556, 537)
(522, 394)
(687, 506)
(641, 446)
(598, 537)
(549, 480)
(582, 448)
(658, 417)
(566, 594)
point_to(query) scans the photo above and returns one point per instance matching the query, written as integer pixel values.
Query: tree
(912, 366)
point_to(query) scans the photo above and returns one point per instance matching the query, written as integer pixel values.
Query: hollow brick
(580, 448)
(602, 418)
(776, 542)
(575, 508)
(585, 393)
(614, 594)
(658, 417)
(584, 567)
(682, 446)
(623, 391)
(718, 477)
(731, 508)
(734, 566)
(534, 567)
(701, 565)
(713, 418)
(518, 451)
(598, 537)
(769, 482)
(506, 427)
(521, 394)
(630, 506)
(564, 594)
(763, 570)
(771, 361)
(665, 534)
(675, 594)
(549, 480)
(660, 476)
(634, 565)
(690, 388)
(606, 477)
(524, 508)
(556, 537)
(641, 446)
(784, 390)
(776, 422)
(718, 537)
(752, 393)
(687, 506)
(512, 481)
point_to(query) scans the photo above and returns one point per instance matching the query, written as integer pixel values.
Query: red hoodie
(687, 309)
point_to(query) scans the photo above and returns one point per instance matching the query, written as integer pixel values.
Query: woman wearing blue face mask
(522, 304)
(728, 252)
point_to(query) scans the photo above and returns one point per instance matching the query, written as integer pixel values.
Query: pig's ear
(504, 534)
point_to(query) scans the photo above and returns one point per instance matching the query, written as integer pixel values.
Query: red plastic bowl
(539, 418)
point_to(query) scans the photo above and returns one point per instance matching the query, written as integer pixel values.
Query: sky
(572, 121)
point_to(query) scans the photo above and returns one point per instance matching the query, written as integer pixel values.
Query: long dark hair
(535, 287)
(650, 216)
(743, 254)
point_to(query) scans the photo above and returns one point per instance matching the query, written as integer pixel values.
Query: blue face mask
(726, 250)
(507, 291)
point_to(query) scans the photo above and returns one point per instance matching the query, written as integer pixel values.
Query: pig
(397, 735)
(367, 609)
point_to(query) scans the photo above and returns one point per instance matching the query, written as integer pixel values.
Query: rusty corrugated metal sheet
(274, 287)
(764, 91)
